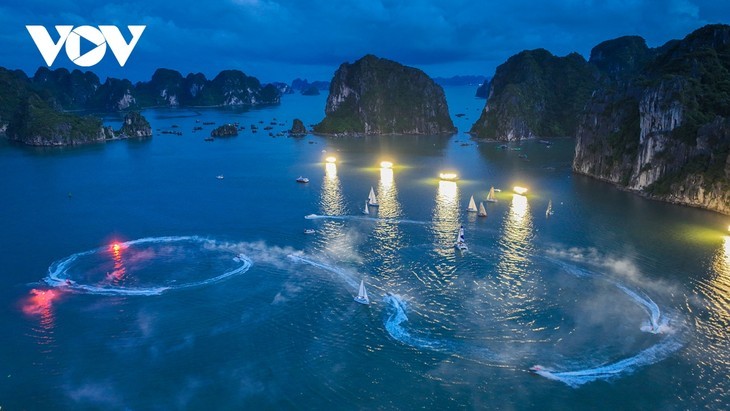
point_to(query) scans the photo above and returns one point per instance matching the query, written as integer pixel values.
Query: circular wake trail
(394, 325)
(353, 283)
(648, 356)
(60, 273)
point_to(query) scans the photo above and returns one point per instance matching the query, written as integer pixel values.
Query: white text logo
(71, 37)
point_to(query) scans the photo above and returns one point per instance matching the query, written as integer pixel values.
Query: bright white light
(520, 190)
(386, 164)
(331, 159)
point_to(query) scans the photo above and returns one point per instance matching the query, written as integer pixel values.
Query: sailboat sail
(366, 210)
(372, 200)
(472, 205)
(491, 197)
(362, 294)
(460, 242)
(482, 210)
(549, 210)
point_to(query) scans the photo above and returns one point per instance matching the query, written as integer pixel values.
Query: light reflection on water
(719, 287)
(334, 238)
(517, 280)
(446, 217)
(332, 200)
(388, 234)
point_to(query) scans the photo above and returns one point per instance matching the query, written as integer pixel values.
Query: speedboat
(309, 231)
(310, 216)
(219, 177)
(302, 179)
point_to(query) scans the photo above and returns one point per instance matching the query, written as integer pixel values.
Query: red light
(40, 301)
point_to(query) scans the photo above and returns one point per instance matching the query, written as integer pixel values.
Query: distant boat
(472, 205)
(482, 210)
(491, 197)
(302, 179)
(310, 216)
(219, 177)
(362, 294)
(460, 242)
(309, 231)
(366, 210)
(372, 200)
(549, 210)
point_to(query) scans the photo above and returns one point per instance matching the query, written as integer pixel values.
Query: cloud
(284, 38)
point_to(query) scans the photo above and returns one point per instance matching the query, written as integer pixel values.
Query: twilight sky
(279, 40)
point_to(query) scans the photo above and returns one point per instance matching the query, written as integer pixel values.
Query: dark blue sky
(281, 40)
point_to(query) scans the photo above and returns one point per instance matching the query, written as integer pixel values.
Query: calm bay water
(623, 302)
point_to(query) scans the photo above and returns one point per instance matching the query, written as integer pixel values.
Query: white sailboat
(472, 205)
(549, 210)
(366, 210)
(362, 294)
(460, 242)
(372, 200)
(491, 197)
(482, 210)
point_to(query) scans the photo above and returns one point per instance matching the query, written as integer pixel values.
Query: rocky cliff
(29, 118)
(297, 128)
(659, 121)
(379, 96)
(38, 124)
(77, 90)
(229, 88)
(535, 94)
(32, 109)
(135, 126)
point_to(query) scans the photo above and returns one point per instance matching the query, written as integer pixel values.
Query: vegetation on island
(380, 96)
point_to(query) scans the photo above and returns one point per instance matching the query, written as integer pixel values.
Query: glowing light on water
(386, 164)
(386, 178)
(446, 215)
(515, 243)
(448, 176)
(331, 198)
(520, 190)
(448, 191)
(519, 208)
(330, 170)
(331, 160)
(388, 233)
(40, 302)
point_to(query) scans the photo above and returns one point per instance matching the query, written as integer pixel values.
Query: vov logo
(71, 37)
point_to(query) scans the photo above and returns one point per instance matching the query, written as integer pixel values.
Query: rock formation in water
(226, 130)
(32, 109)
(310, 91)
(78, 90)
(654, 121)
(483, 90)
(659, 122)
(535, 94)
(228, 88)
(135, 126)
(301, 85)
(379, 96)
(297, 128)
